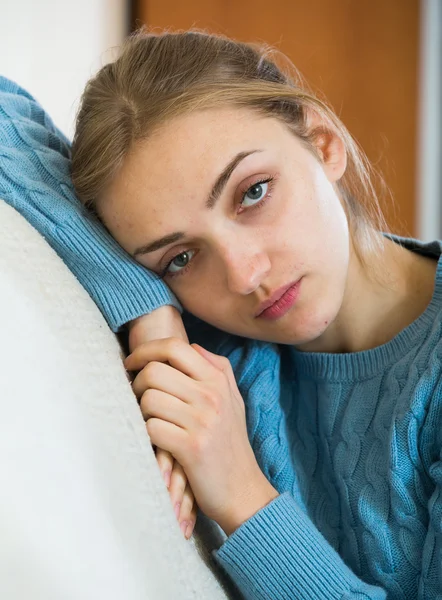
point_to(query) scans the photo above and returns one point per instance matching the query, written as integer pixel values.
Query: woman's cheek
(197, 292)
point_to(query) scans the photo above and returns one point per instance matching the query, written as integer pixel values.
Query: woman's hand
(161, 323)
(194, 410)
(180, 492)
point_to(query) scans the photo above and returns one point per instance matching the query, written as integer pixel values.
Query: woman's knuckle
(146, 400)
(187, 501)
(210, 396)
(140, 353)
(220, 379)
(174, 345)
(150, 371)
(179, 469)
(225, 362)
(146, 396)
(204, 421)
(198, 447)
(151, 427)
(185, 512)
(164, 460)
(177, 486)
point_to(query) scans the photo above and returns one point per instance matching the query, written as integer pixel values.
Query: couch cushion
(84, 512)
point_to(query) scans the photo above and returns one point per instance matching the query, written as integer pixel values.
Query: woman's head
(155, 131)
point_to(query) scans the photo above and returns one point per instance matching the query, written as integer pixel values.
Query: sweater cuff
(122, 289)
(278, 554)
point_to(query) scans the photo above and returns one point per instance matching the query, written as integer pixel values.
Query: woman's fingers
(178, 482)
(165, 378)
(165, 462)
(155, 403)
(183, 500)
(188, 512)
(181, 495)
(176, 352)
(168, 436)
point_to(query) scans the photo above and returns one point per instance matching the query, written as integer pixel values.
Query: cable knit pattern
(35, 180)
(363, 431)
(351, 441)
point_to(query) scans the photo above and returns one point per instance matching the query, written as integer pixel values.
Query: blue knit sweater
(351, 441)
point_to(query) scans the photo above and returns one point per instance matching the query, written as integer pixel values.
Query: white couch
(84, 512)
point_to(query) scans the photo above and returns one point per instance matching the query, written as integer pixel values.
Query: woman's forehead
(195, 145)
(201, 131)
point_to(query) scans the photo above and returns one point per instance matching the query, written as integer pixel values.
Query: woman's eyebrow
(160, 243)
(214, 195)
(224, 177)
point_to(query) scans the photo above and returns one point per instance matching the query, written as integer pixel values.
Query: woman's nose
(246, 270)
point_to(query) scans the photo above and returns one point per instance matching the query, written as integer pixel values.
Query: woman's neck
(383, 295)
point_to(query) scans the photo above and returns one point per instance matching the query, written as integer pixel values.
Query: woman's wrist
(249, 505)
(162, 322)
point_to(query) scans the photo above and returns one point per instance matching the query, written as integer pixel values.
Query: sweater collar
(367, 363)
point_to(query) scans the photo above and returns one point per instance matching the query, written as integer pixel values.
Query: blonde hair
(159, 76)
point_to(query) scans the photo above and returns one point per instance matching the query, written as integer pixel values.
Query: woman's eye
(255, 194)
(180, 261)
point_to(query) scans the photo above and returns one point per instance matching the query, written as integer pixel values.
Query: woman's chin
(294, 330)
(297, 331)
(278, 333)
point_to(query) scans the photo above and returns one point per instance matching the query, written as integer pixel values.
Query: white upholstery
(84, 513)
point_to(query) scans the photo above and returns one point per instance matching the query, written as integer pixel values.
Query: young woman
(317, 445)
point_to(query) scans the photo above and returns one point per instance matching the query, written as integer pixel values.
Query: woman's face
(234, 210)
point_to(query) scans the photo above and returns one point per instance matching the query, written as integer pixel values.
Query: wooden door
(361, 54)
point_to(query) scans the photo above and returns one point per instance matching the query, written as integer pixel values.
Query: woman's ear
(329, 146)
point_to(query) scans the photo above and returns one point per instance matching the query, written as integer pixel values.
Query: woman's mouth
(280, 302)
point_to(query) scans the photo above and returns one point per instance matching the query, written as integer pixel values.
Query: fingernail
(184, 527)
(189, 529)
(177, 509)
(166, 477)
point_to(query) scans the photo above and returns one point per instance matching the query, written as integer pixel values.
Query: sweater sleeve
(35, 180)
(278, 554)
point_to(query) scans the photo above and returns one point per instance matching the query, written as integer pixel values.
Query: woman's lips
(282, 304)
